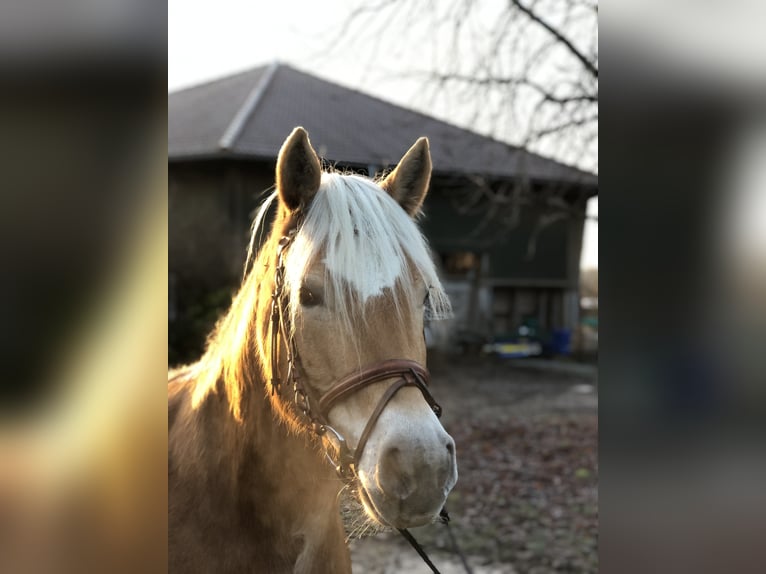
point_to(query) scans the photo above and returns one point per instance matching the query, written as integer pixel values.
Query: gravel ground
(527, 495)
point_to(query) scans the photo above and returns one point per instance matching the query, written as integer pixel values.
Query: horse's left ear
(299, 172)
(408, 183)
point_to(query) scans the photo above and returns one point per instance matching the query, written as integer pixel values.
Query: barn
(505, 224)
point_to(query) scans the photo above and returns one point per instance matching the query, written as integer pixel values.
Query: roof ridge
(233, 130)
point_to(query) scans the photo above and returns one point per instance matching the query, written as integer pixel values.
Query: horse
(314, 382)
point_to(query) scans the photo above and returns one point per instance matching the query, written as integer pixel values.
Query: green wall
(449, 230)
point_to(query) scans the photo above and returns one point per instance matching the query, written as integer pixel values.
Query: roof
(251, 113)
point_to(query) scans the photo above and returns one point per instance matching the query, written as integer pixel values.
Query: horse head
(342, 341)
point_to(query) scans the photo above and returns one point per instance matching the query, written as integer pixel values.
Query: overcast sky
(208, 40)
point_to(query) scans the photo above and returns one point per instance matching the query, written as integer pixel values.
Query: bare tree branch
(590, 66)
(524, 72)
(571, 123)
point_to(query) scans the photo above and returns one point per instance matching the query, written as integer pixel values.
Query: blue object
(561, 342)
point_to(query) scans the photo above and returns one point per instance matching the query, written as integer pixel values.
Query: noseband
(316, 410)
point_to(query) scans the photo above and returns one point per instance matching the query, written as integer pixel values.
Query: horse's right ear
(299, 172)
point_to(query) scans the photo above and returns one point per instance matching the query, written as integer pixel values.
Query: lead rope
(444, 515)
(445, 520)
(419, 549)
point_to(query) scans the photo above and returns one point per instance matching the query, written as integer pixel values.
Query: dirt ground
(527, 495)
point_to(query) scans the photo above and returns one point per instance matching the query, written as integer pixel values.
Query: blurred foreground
(83, 469)
(83, 296)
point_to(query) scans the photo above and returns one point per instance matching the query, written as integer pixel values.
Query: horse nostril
(392, 455)
(391, 463)
(451, 448)
(394, 476)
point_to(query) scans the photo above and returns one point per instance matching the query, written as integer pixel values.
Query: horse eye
(307, 297)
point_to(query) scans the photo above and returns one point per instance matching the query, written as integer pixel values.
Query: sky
(208, 40)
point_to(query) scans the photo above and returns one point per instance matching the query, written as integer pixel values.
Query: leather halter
(316, 411)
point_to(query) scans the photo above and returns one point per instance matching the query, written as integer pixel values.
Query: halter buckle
(343, 466)
(301, 400)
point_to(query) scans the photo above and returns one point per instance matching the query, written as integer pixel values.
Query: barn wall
(211, 209)
(520, 280)
(211, 205)
(448, 230)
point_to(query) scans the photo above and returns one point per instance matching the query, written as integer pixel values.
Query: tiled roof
(250, 114)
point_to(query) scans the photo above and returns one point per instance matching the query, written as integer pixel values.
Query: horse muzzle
(406, 477)
(403, 458)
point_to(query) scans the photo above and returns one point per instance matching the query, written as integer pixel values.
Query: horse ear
(299, 172)
(408, 183)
